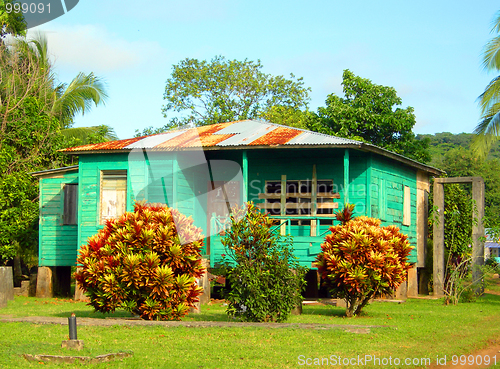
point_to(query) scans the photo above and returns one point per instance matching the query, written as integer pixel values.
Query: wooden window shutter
(70, 211)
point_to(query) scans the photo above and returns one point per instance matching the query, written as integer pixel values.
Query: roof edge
(402, 158)
(41, 173)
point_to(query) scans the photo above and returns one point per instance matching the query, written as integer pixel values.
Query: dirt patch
(475, 360)
(359, 329)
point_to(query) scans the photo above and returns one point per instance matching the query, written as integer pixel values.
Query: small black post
(72, 327)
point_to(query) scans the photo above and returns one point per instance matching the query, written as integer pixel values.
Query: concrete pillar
(204, 283)
(401, 292)
(478, 233)
(413, 282)
(6, 285)
(79, 294)
(438, 240)
(44, 286)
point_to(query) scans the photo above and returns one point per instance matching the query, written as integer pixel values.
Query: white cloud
(92, 47)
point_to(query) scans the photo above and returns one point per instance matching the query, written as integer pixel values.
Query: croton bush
(361, 260)
(265, 277)
(145, 262)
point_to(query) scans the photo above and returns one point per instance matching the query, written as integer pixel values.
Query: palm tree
(488, 130)
(67, 100)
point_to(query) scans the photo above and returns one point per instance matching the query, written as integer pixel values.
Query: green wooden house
(298, 177)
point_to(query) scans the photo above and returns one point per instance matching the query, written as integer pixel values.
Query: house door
(222, 196)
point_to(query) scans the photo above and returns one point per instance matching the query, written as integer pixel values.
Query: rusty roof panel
(241, 133)
(111, 145)
(192, 137)
(278, 136)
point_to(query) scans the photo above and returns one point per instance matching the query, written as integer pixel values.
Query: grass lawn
(412, 330)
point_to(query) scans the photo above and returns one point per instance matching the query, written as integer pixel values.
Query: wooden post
(314, 200)
(283, 203)
(478, 233)
(369, 164)
(346, 176)
(245, 176)
(438, 239)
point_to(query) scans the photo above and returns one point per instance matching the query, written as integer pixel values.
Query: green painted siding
(376, 187)
(387, 197)
(57, 241)
(270, 165)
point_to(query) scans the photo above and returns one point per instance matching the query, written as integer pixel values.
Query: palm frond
(491, 55)
(487, 131)
(490, 96)
(79, 96)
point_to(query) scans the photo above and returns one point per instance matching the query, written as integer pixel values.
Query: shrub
(145, 262)
(361, 260)
(264, 275)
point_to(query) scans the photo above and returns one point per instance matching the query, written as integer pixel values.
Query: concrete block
(23, 290)
(73, 344)
(204, 283)
(79, 294)
(44, 286)
(412, 282)
(6, 285)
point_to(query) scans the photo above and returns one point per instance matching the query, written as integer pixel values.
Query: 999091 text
(27, 8)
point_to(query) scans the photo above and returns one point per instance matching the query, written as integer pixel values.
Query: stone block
(73, 344)
(412, 282)
(44, 286)
(6, 285)
(79, 294)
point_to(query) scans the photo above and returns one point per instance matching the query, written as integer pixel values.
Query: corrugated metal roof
(152, 141)
(240, 133)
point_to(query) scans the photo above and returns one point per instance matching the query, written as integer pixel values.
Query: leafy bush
(145, 262)
(265, 277)
(361, 260)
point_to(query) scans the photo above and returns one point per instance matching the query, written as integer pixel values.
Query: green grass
(414, 329)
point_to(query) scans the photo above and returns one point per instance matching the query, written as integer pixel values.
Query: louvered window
(113, 194)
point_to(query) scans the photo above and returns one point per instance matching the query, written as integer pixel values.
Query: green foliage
(11, 22)
(361, 260)
(34, 110)
(464, 163)
(145, 262)
(370, 113)
(227, 90)
(77, 136)
(266, 279)
(28, 142)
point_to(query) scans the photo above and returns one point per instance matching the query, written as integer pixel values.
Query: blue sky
(429, 51)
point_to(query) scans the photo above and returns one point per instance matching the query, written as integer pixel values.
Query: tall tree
(68, 100)
(11, 22)
(226, 90)
(370, 113)
(488, 129)
(34, 111)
